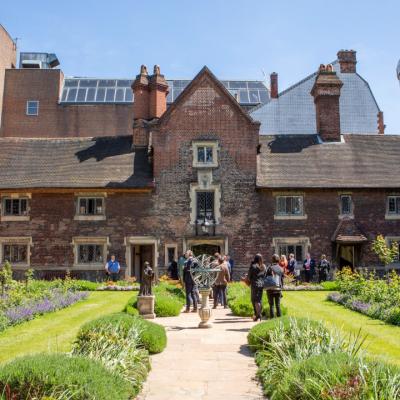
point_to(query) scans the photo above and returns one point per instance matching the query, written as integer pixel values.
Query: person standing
(231, 264)
(283, 262)
(309, 268)
(181, 264)
(190, 286)
(256, 276)
(292, 264)
(274, 292)
(323, 269)
(173, 270)
(221, 283)
(112, 268)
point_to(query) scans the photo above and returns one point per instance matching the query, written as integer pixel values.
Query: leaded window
(345, 204)
(91, 206)
(296, 249)
(15, 207)
(205, 205)
(289, 205)
(15, 253)
(90, 253)
(393, 206)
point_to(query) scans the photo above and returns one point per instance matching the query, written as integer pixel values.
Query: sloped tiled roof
(348, 231)
(293, 112)
(106, 162)
(302, 161)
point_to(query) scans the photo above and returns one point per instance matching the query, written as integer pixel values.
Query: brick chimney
(158, 94)
(381, 125)
(326, 93)
(347, 60)
(140, 87)
(274, 85)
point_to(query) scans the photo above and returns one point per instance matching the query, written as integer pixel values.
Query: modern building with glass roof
(91, 90)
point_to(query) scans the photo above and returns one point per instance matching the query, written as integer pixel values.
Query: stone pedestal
(145, 306)
(205, 309)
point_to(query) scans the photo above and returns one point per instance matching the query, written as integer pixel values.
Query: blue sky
(234, 38)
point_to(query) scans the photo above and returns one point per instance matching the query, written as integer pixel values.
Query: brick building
(149, 168)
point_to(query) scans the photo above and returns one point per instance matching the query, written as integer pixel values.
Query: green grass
(56, 331)
(383, 340)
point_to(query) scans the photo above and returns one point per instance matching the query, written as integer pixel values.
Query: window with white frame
(15, 207)
(205, 154)
(289, 205)
(393, 205)
(346, 204)
(90, 206)
(32, 107)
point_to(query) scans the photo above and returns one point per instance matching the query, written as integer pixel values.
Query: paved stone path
(204, 364)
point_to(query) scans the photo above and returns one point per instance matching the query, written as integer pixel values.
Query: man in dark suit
(309, 268)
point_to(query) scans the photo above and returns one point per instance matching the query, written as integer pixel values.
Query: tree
(386, 254)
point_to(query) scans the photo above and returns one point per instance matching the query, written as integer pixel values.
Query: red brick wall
(322, 210)
(55, 120)
(8, 54)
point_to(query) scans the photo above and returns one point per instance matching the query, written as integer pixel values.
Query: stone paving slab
(204, 364)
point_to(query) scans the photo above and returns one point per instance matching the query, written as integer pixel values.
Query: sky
(236, 39)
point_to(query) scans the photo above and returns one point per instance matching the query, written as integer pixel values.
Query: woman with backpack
(273, 283)
(256, 277)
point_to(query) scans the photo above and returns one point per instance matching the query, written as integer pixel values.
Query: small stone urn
(145, 306)
(205, 309)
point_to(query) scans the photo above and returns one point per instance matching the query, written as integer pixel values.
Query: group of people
(219, 288)
(312, 270)
(270, 278)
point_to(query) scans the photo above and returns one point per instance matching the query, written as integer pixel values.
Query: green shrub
(167, 306)
(169, 301)
(41, 375)
(330, 285)
(152, 336)
(323, 376)
(118, 348)
(259, 335)
(242, 307)
(80, 284)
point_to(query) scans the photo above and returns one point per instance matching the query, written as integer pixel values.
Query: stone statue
(146, 288)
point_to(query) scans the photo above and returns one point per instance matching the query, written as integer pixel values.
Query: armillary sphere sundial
(204, 273)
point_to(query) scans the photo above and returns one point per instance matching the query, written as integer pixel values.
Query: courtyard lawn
(383, 340)
(56, 331)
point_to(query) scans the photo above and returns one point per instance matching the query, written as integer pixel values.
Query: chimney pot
(158, 87)
(347, 61)
(274, 85)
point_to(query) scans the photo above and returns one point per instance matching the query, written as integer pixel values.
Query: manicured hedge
(239, 301)
(152, 336)
(169, 300)
(53, 375)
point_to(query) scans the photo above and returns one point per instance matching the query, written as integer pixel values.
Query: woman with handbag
(273, 283)
(256, 277)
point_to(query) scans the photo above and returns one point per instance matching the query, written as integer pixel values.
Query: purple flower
(56, 300)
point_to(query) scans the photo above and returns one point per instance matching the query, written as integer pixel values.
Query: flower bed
(377, 298)
(303, 359)
(54, 300)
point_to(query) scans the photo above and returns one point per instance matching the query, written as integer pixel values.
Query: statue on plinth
(146, 298)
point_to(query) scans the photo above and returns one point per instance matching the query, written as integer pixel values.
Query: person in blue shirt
(112, 268)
